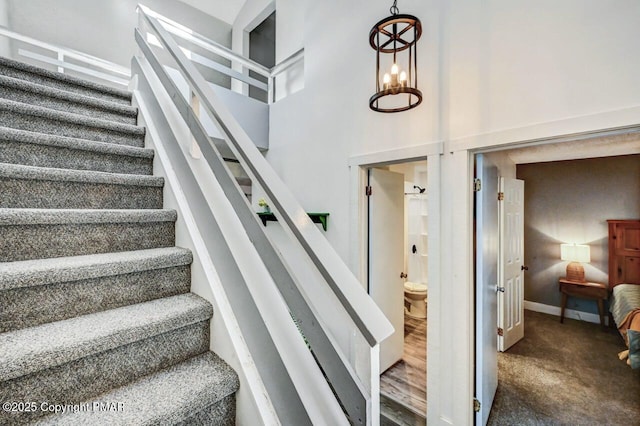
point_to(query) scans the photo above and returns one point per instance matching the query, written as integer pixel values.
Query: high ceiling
(226, 10)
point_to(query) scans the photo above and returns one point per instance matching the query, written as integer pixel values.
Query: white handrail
(287, 63)
(67, 65)
(370, 321)
(202, 41)
(211, 46)
(371, 324)
(80, 56)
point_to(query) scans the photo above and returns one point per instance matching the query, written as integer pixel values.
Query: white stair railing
(92, 66)
(353, 379)
(187, 35)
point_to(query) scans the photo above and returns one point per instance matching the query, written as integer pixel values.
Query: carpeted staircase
(95, 302)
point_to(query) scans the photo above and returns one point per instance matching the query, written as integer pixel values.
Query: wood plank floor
(406, 381)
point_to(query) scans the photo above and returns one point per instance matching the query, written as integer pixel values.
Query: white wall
(504, 65)
(492, 72)
(5, 46)
(514, 64)
(330, 121)
(103, 28)
(227, 10)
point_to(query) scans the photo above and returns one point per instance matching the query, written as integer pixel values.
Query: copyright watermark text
(46, 407)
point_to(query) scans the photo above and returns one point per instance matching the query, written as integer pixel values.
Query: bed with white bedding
(625, 309)
(624, 283)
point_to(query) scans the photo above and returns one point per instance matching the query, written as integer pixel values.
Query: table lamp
(575, 254)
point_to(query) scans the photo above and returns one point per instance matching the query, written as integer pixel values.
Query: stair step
(37, 149)
(197, 391)
(94, 296)
(18, 115)
(46, 233)
(35, 292)
(34, 349)
(43, 187)
(22, 71)
(61, 100)
(70, 361)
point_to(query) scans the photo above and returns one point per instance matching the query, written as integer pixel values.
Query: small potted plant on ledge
(265, 206)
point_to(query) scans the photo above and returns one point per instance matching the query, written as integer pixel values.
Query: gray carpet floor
(565, 374)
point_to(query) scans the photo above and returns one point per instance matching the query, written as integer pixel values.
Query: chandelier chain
(394, 9)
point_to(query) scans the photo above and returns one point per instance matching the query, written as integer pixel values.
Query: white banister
(353, 373)
(215, 48)
(205, 43)
(70, 53)
(62, 65)
(368, 317)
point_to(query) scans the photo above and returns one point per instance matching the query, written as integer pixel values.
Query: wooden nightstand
(595, 291)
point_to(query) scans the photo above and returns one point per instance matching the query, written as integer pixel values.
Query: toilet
(415, 297)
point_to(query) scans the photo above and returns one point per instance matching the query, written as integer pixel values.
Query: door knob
(499, 289)
(403, 275)
(524, 268)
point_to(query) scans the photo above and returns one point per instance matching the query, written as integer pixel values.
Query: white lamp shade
(575, 252)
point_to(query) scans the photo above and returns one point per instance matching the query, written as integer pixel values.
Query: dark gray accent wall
(570, 201)
(262, 49)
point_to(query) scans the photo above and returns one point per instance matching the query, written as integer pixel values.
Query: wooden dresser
(624, 252)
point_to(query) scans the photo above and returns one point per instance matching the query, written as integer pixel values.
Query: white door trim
(486, 275)
(400, 155)
(358, 248)
(358, 165)
(609, 123)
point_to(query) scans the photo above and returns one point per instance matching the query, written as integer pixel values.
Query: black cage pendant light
(395, 39)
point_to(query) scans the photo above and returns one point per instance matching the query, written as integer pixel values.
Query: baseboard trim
(568, 313)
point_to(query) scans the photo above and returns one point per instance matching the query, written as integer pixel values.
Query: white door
(386, 257)
(511, 299)
(487, 236)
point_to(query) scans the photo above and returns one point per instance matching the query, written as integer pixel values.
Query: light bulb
(403, 77)
(394, 69)
(386, 79)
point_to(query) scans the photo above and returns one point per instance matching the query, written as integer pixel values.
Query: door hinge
(500, 196)
(367, 191)
(500, 332)
(476, 405)
(477, 185)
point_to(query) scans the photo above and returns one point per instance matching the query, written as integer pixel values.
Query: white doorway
(487, 255)
(397, 259)
(429, 155)
(512, 256)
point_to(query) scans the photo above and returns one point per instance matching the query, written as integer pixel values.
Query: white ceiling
(226, 10)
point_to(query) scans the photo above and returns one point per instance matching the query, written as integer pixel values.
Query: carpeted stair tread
(36, 233)
(53, 188)
(171, 396)
(31, 273)
(25, 136)
(44, 150)
(38, 348)
(33, 73)
(83, 216)
(49, 97)
(95, 301)
(18, 171)
(20, 115)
